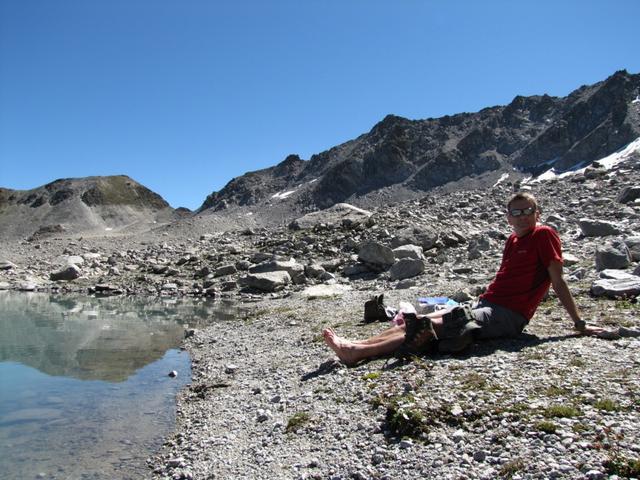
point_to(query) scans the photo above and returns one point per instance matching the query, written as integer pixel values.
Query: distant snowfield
(501, 179)
(606, 162)
(283, 195)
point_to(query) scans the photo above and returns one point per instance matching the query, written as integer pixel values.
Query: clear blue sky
(183, 95)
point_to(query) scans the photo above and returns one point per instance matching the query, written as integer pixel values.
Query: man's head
(522, 213)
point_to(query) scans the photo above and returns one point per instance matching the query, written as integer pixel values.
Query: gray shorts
(497, 321)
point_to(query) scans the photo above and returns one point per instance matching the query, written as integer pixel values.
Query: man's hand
(590, 330)
(599, 332)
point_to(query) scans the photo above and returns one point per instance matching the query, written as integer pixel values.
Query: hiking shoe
(418, 338)
(375, 310)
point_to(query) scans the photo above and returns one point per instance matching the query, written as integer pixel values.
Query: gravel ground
(268, 400)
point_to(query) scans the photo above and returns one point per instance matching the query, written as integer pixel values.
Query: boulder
(612, 288)
(325, 291)
(27, 286)
(612, 255)
(426, 237)
(555, 220)
(616, 274)
(338, 214)
(406, 268)
(569, 259)
(106, 289)
(408, 251)
(477, 246)
(354, 270)
(293, 268)
(317, 271)
(598, 228)
(267, 281)
(74, 260)
(70, 272)
(452, 238)
(376, 256)
(203, 272)
(243, 265)
(259, 257)
(628, 194)
(6, 265)
(225, 270)
(314, 270)
(169, 288)
(633, 244)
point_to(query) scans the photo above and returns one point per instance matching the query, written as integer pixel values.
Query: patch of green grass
(404, 419)
(555, 391)
(577, 362)
(474, 381)
(609, 321)
(296, 421)
(546, 427)
(421, 363)
(623, 467)
(534, 354)
(376, 402)
(579, 428)
(321, 390)
(626, 305)
(607, 404)
(371, 376)
(561, 411)
(509, 469)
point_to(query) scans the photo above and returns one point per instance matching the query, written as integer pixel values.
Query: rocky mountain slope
(73, 205)
(401, 156)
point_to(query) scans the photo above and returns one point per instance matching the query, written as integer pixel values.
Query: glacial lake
(85, 391)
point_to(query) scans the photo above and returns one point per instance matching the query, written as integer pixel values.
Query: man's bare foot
(342, 348)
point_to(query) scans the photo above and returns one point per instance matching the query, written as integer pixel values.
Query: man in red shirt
(531, 262)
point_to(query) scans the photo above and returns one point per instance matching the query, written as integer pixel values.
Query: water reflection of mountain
(92, 338)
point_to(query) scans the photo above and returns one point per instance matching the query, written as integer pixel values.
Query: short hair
(524, 196)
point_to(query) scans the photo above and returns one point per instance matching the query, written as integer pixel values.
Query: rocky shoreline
(268, 399)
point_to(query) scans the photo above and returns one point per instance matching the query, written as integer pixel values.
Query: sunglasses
(516, 212)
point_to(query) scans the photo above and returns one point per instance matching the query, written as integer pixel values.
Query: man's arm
(564, 294)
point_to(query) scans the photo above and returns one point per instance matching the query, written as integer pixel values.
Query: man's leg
(436, 321)
(389, 332)
(351, 353)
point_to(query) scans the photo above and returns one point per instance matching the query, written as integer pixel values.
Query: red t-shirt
(523, 278)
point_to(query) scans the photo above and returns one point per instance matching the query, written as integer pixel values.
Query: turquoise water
(84, 385)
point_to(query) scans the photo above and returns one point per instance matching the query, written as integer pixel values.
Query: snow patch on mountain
(607, 162)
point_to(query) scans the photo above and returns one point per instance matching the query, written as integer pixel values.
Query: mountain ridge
(396, 160)
(530, 134)
(96, 204)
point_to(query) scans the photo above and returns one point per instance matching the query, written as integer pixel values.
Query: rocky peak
(531, 133)
(594, 122)
(79, 204)
(290, 167)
